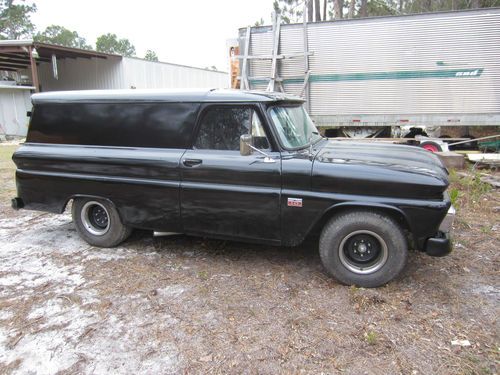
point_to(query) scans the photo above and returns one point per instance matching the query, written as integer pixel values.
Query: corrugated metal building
(126, 73)
(26, 67)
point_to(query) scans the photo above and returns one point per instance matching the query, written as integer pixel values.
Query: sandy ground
(187, 305)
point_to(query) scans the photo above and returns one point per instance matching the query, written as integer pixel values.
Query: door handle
(191, 162)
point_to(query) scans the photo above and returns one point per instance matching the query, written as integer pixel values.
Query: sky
(188, 32)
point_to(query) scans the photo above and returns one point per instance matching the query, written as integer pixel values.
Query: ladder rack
(275, 82)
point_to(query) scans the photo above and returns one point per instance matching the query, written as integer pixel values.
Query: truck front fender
(295, 234)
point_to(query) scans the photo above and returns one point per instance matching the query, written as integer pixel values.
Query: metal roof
(426, 15)
(214, 95)
(14, 54)
(46, 50)
(175, 64)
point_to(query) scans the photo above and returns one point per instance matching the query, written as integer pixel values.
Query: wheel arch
(390, 245)
(90, 196)
(394, 212)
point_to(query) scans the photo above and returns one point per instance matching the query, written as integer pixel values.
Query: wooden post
(245, 85)
(276, 45)
(34, 72)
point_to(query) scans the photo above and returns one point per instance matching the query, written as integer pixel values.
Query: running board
(160, 234)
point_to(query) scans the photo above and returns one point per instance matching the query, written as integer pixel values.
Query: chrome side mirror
(245, 145)
(246, 148)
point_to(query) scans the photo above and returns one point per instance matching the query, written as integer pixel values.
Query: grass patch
(7, 170)
(486, 229)
(467, 189)
(371, 337)
(6, 155)
(454, 196)
(203, 275)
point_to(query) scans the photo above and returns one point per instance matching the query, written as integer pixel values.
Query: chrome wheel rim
(95, 218)
(363, 252)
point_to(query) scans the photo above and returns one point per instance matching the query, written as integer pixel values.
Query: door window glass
(258, 134)
(221, 128)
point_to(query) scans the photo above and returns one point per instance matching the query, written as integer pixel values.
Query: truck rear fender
(75, 196)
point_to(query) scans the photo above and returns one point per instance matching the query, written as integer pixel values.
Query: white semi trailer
(368, 75)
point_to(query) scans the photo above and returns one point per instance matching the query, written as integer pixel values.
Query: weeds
(486, 229)
(371, 337)
(467, 189)
(454, 196)
(203, 275)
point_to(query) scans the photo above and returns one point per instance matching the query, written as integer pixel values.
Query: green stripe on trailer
(405, 74)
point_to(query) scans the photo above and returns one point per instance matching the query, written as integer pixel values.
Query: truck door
(224, 193)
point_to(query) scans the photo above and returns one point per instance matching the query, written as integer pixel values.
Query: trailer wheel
(363, 248)
(431, 146)
(97, 221)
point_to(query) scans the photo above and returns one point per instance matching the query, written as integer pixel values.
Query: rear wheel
(98, 222)
(363, 248)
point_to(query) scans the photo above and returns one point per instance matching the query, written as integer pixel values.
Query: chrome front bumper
(447, 223)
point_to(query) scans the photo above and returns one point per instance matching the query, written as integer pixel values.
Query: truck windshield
(294, 126)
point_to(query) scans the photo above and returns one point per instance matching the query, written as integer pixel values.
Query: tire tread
(390, 229)
(117, 233)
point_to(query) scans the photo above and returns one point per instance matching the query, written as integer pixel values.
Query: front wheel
(363, 248)
(98, 222)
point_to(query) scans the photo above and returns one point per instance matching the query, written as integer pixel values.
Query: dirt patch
(186, 305)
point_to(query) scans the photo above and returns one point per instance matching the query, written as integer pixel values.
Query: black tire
(414, 132)
(98, 222)
(350, 236)
(472, 145)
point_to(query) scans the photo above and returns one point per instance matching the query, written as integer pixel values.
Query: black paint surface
(139, 155)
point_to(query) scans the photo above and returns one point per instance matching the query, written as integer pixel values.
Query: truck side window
(221, 128)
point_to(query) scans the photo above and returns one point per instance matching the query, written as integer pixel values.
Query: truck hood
(378, 169)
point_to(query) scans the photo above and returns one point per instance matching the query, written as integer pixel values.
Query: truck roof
(162, 95)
